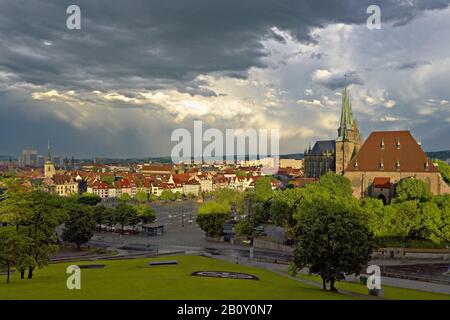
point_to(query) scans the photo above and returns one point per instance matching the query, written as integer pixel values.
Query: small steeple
(49, 154)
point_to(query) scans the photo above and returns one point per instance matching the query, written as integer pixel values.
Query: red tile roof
(382, 182)
(395, 150)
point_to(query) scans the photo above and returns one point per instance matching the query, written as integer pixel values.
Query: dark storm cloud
(161, 44)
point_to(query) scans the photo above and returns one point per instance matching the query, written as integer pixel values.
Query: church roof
(391, 151)
(320, 147)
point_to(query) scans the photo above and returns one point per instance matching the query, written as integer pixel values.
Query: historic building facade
(387, 157)
(49, 168)
(375, 167)
(334, 155)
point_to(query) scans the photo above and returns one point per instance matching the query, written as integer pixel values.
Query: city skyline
(119, 86)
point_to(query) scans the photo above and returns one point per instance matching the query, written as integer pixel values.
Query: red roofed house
(384, 159)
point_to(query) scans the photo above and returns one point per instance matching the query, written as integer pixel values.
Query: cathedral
(335, 155)
(376, 166)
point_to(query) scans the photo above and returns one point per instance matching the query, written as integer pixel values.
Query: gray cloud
(136, 45)
(412, 65)
(161, 44)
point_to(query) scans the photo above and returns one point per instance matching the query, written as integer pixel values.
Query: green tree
(141, 196)
(167, 195)
(89, 199)
(263, 189)
(283, 208)
(245, 227)
(108, 179)
(80, 226)
(444, 170)
(212, 216)
(125, 214)
(333, 239)
(374, 210)
(443, 203)
(146, 213)
(412, 189)
(14, 202)
(431, 222)
(336, 184)
(13, 250)
(99, 214)
(407, 220)
(230, 196)
(124, 197)
(109, 217)
(47, 212)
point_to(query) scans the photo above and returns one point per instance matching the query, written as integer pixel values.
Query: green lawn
(134, 279)
(390, 293)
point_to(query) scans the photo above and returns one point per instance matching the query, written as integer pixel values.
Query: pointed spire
(49, 154)
(346, 122)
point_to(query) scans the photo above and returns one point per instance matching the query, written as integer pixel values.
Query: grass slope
(134, 279)
(390, 293)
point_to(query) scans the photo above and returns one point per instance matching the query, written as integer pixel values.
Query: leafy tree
(125, 197)
(443, 203)
(99, 214)
(108, 179)
(212, 216)
(167, 195)
(374, 210)
(431, 223)
(14, 202)
(412, 189)
(178, 195)
(153, 197)
(444, 170)
(141, 196)
(283, 207)
(336, 184)
(263, 189)
(109, 217)
(13, 250)
(245, 227)
(407, 219)
(47, 211)
(230, 196)
(333, 239)
(146, 213)
(125, 214)
(80, 226)
(89, 199)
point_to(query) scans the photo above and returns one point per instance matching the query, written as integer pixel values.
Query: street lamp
(182, 217)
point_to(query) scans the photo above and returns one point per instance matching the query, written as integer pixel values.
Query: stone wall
(362, 181)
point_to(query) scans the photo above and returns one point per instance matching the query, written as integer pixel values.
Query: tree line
(29, 219)
(334, 233)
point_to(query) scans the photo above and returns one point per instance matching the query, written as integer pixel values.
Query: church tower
(349, 139)
(49, 168)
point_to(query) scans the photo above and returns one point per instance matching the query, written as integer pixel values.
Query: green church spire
(346, 123)
(49, 155)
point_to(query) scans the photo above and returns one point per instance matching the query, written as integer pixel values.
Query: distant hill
(442, 155)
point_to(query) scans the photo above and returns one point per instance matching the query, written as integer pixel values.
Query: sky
(137, 70)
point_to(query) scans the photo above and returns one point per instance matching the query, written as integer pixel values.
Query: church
(335, 155)
(375, 166)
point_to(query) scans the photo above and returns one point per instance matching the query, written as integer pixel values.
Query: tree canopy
(333, 239)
